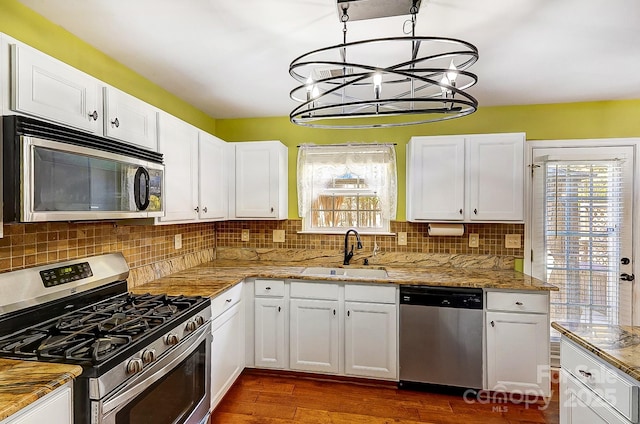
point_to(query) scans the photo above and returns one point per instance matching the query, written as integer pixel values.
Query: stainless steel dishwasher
(441, 336)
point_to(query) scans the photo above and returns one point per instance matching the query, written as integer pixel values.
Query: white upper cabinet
(258, 188)
(213, 181)
(178, 142)
(435, 178)
(496, 177)
(129, 119)
(196, 184)
(44, 87)
(466, 178)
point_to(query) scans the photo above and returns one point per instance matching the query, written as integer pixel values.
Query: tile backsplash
(150, 250)
(27, 245)
(491, 238)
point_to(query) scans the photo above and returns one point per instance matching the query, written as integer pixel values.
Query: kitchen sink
(346, 272)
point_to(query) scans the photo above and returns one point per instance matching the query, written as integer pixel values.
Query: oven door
(175, 389)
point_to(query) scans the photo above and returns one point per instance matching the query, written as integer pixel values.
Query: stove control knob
(199, 320)
(134, 366)
(148, 356)
(171, 339)
(191, 325)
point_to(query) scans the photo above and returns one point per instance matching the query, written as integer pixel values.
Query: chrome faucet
(349, 254)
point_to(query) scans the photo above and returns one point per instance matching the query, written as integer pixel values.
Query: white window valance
(360, 167)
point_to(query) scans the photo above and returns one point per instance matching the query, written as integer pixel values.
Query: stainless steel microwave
(53, 173)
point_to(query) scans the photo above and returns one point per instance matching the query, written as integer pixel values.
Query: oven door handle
(159, 369)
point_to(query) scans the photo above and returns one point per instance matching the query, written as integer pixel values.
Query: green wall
(539, 122)
(25, 25)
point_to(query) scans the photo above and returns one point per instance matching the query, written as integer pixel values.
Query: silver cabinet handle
(229, 300)
(519, 303)
(94, 115)
(271, 210)
(267, 288)
(348, 313)
(279, 308)
(460, 211)
(585, 373)
(204, 210)
(475, 211)
(197, 209)
(115, 122)
(493, 324)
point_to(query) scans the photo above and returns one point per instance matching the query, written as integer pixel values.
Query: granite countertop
(24, 382)
(212, 278)
(617, 345)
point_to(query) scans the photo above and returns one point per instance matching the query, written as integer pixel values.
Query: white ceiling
(231, 58)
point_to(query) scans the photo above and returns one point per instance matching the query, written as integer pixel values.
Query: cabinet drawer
(518, 302)
(302, 290)
(610, 385)
(374, 294)
(271, 288)
(225, 300)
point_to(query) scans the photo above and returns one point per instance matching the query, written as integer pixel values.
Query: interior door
(582, 231)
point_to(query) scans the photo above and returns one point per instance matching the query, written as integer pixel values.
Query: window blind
(583, 225)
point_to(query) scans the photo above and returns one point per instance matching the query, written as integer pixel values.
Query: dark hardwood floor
(271, 398)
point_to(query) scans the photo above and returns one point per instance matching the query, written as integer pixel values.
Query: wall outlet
(402, 239)
(474, 240)
(177, 241)
(512, 241)
(245, 235)
(278, 236)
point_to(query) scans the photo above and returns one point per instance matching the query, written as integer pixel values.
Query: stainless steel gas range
(145, 358)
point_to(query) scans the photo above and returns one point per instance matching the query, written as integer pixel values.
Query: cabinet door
(260, 183)
(370, 340)
(214, 194)
(578, 405)
(130, 119)
(435, 179)
(496, 177)
(47, 88)
(227, 352)
(54, 408)
(518, 352)
(179, 145)
(270, 315)
(314, 335)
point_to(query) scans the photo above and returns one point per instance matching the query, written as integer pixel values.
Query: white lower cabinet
(578, 405)
(371, 340)
(314, 342)
(54, 408)
(517, 343)
(593, 391)
(270, 320)
(227, 346)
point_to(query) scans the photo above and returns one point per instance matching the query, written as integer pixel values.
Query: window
(347, 186)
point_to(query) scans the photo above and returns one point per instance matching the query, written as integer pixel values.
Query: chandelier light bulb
(377, 84)
(452, 75)
(445, 90)
(315, 91)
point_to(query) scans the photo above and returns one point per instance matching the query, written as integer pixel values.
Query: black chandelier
(393, 81)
